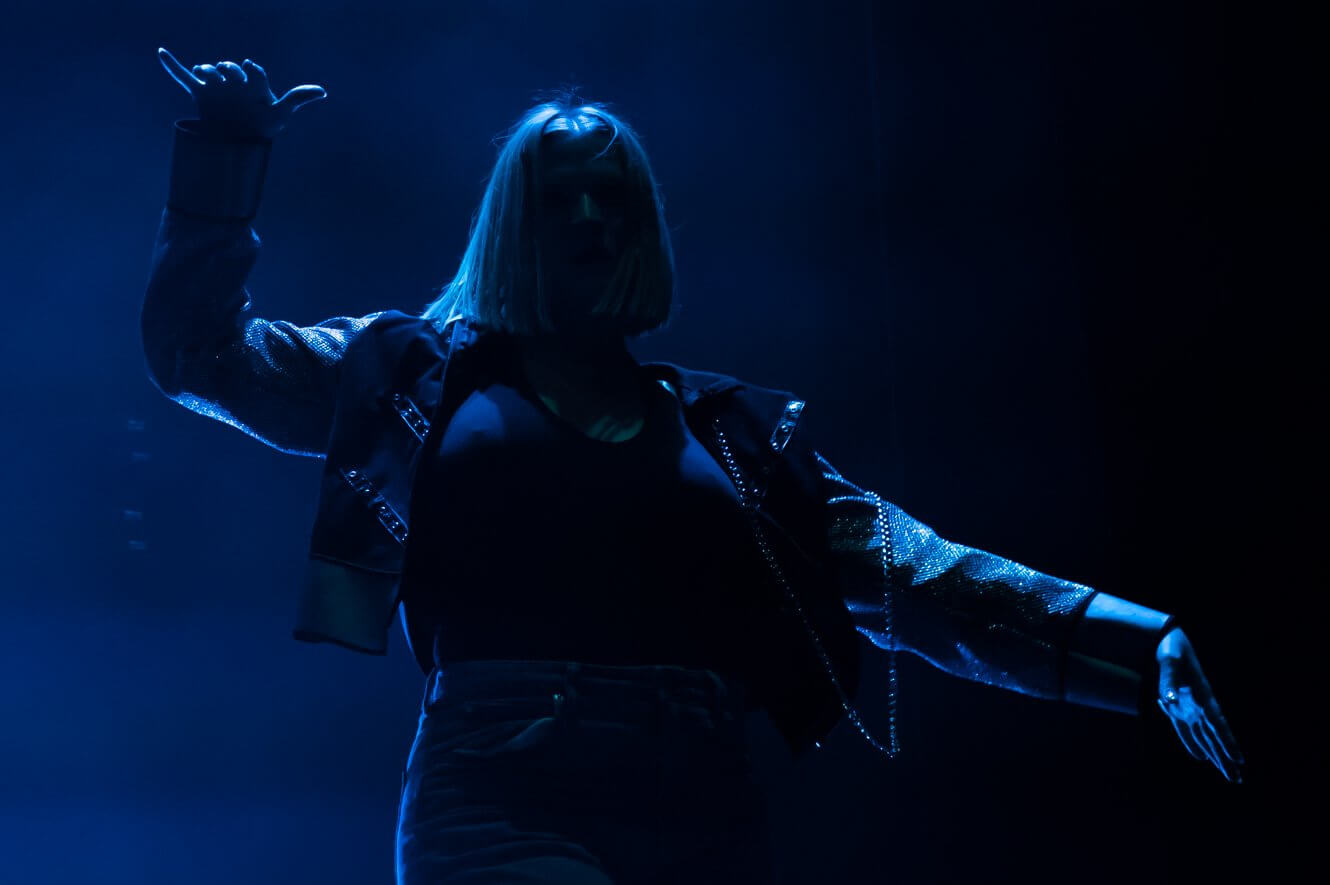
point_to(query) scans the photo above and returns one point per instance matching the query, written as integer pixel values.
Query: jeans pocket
(503, 739)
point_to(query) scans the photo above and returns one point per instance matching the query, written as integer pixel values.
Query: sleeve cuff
(215, 174)
(1111, 654)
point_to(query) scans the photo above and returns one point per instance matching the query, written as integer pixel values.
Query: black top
(541, 543)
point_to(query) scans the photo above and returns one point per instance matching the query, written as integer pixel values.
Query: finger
(258, 77)
(178, 72)
(1232, 768)
(1227, 741)
(1211, 751)
(1195, 719)
(232, 71)
(209, 74)
(1230, 756)
(1183, 735)
(1220, 741)
(299, 96)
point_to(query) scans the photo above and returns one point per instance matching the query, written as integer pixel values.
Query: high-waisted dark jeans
(559, 772)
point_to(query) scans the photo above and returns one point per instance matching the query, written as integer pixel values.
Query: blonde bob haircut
(498, 282)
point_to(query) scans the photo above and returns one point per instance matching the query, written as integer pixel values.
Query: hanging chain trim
(888, 554)
(747, 499)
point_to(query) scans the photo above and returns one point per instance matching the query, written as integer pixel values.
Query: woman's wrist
(1120, 631)
(214, 175)
(1111, 660)
(224, 130)
(1172, 645)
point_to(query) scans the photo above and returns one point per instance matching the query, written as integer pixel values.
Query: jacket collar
(690, 385)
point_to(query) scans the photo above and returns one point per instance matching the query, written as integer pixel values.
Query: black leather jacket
(364, 394)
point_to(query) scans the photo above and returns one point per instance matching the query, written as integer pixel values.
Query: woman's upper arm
(206, 350)
(274, 380)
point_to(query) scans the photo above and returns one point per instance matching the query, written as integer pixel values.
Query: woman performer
(600, 565)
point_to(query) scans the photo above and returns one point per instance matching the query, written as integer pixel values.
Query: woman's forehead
(568, 151)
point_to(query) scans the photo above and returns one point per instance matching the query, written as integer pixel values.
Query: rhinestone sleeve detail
(205, 349)
(969, 613)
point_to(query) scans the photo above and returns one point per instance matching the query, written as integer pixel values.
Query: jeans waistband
(588, 687)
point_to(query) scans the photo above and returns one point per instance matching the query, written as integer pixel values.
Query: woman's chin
(583, 322)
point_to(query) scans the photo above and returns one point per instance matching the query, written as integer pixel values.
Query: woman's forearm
(203, 346)
(1111, 656)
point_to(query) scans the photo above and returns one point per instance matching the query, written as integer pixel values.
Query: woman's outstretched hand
(235, 98)
(1190, 705)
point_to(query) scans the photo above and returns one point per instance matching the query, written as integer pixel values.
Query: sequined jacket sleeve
(204, 346)
(967, 612)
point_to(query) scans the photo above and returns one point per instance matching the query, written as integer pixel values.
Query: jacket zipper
(748, 496)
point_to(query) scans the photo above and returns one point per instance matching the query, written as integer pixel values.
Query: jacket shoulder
(392, 329)
(393, 350)
(696, 384)
(773, 414)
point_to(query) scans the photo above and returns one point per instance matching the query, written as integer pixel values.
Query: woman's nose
(586, 209)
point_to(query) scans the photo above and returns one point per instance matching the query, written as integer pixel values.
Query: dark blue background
(1050, 276)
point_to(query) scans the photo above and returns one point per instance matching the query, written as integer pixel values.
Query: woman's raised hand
(235, 98)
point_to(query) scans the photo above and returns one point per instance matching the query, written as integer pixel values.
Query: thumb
(299, 96)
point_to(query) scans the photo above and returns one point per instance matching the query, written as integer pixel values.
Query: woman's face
(580, 219)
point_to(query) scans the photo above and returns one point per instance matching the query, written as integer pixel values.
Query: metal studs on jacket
(418, 424)
(375, 501)
(415, 420)
(785, 428)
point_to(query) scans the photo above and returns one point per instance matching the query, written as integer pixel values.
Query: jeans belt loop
(720, 701)
(666, 715)
(431, 688)
(567, 693)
